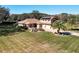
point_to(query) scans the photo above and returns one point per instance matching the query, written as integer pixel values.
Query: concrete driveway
(54, 30)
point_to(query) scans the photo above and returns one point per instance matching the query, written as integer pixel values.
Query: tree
(12, 18)
(64, 17)
(36, 14)
(19, 17)
(59, 25)
(72, 19)
(4, 13)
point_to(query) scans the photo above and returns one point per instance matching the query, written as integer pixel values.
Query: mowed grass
(38, 42)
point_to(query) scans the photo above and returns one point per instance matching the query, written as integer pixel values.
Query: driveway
(54, 30)
(72, 33)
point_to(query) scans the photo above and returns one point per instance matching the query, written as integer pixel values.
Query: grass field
(38, 42)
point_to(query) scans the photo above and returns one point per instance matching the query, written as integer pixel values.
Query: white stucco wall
(46, 26)
(38, 26)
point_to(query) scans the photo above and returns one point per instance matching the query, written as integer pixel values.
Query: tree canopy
(4, 13)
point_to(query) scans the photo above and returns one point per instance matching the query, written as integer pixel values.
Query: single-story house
(30, 23)
(44, 23)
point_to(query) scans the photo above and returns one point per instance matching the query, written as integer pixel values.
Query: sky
(49, 9)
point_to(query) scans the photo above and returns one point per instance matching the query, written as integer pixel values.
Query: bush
(40, 29)
(20, 28)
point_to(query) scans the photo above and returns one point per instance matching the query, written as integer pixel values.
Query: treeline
(6, 16)
(18, 17)
(66, 22)
(69, 18)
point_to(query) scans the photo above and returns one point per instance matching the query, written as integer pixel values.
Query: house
(43, 23)
(30, 23)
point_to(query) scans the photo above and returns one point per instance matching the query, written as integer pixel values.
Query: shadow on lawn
(75, 29)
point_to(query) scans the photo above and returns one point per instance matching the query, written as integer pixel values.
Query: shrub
(40, 29)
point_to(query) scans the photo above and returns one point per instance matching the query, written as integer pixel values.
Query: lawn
(38, 42)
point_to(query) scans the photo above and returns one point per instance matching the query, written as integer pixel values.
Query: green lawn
(38, 42)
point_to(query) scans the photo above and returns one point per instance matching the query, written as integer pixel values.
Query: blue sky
(49, 9)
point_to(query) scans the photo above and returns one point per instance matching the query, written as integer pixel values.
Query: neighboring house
(44, 23)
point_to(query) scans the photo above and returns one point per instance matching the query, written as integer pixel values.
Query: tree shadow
(75, 29)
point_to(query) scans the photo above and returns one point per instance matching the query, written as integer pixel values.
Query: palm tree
(59, 24)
